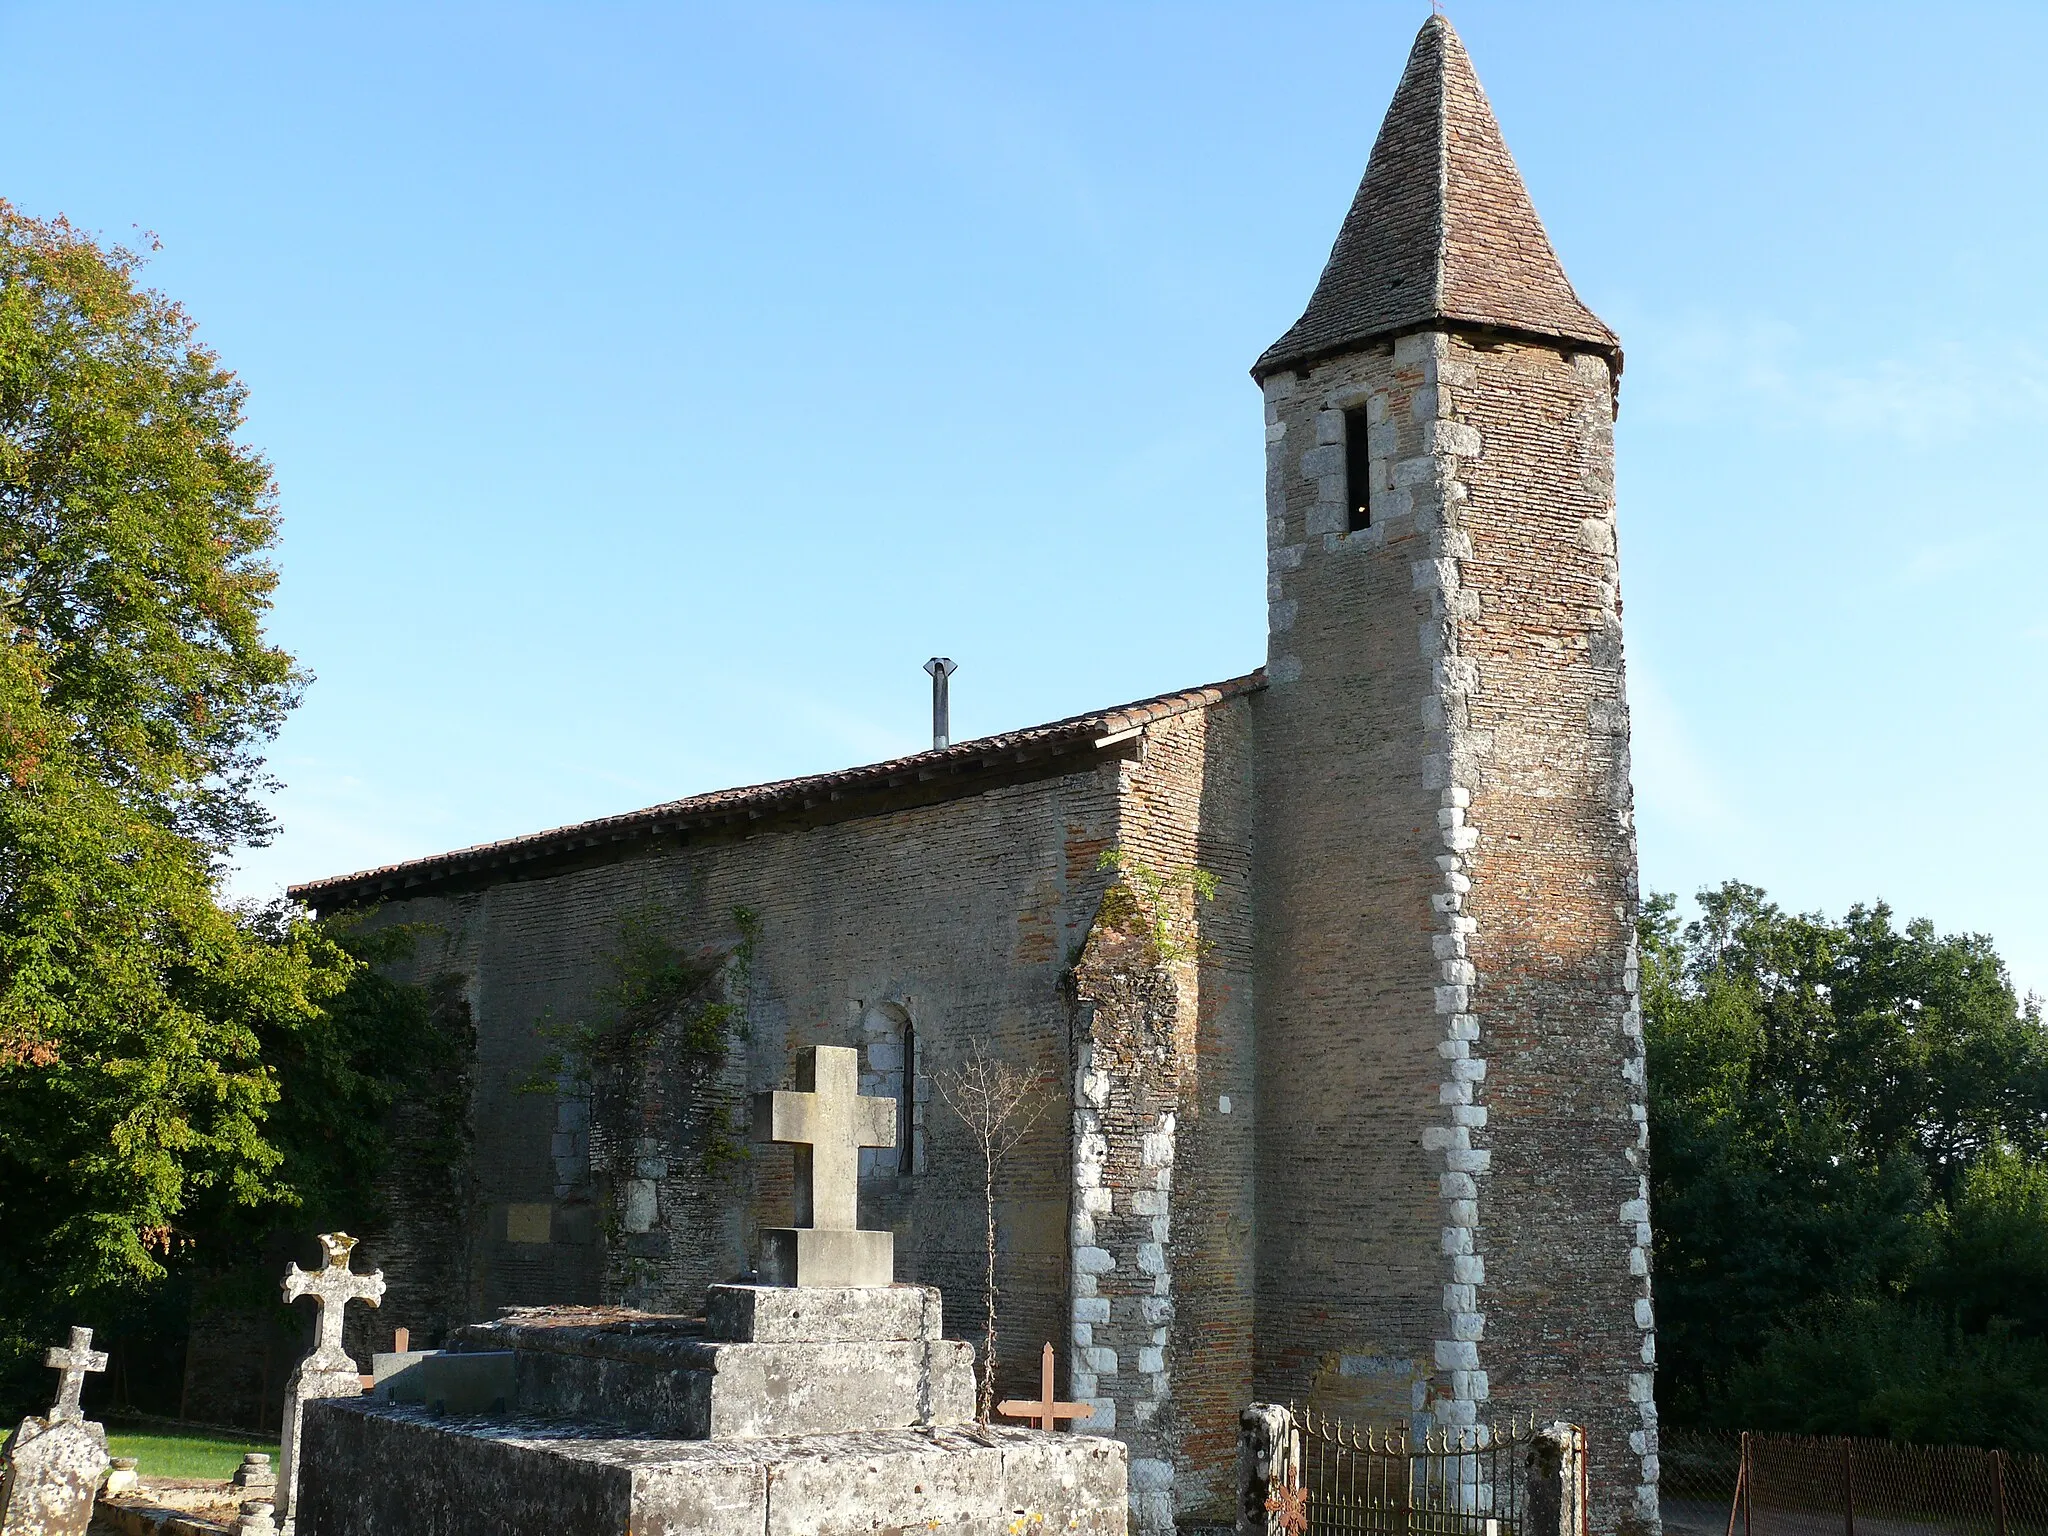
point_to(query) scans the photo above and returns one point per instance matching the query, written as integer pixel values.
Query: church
(1322, 979)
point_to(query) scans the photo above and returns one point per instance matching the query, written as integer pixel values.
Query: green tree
(1837, 1112)
(1883, 1367)
(137, 693)
(1993, 1266)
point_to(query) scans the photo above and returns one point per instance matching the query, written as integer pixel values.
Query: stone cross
(828, 1121)
(328, 1371)
(51, 1469)
(74, 1363)
(1048, 1410)
(334, 1286)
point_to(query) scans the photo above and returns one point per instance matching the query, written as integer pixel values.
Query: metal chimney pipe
(941, 668)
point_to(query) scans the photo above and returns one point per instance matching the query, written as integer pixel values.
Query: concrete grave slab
(479, 1381)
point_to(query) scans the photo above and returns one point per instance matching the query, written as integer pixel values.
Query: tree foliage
(145, 1027)
(1849, 1124)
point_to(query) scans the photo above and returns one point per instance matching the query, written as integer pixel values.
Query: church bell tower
(1453, 1217)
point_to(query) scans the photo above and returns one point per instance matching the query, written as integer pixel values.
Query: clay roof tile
(1442, 229)
(959, 769)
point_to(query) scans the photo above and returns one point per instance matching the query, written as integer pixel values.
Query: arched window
(888, 1051)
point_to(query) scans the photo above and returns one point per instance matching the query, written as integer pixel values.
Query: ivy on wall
(663, 1010)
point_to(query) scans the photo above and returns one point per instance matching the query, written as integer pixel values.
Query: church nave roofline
(963, 768)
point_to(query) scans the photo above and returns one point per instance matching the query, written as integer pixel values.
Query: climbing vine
(662, 1007)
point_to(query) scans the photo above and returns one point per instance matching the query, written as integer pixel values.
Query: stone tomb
(783, 1410)
(797, 1410)
(54, 1465)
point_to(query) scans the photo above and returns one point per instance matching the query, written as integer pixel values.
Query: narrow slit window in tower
(1357, 471)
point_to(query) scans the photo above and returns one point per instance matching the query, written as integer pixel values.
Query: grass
(159, 1453)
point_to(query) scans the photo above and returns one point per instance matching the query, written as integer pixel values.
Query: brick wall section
(1349, 1268)
(1450, 1056)
(1162, 1274)
(1553, 901)
(423, 1245)
(242, 1340)
(962, 915)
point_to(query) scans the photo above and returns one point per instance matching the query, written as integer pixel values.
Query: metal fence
(1457, 1482)
(1730, 1484)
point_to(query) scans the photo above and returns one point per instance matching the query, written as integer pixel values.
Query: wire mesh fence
(1721, 1483)
(1698, 1471)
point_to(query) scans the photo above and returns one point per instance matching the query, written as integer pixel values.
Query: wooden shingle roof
(1442, 229)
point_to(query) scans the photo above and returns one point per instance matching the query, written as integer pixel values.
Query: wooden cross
(828, 1121)
(74, 1363)
(334, 1287)
(1048, 1410)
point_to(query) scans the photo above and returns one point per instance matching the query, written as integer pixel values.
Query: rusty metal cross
(74, 1363)
(1288, 1503)
(1048, 1410)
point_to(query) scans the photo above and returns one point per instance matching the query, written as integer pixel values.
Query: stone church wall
(1562, 1214)
(1164, 1118)
(913, 933)
(960, 917)
(1451, 1175)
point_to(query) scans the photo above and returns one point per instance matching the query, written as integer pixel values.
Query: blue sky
(653, 388)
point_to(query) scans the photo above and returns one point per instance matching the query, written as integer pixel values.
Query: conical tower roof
(1442, 228)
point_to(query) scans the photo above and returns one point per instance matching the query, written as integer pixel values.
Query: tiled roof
(966, 763)
(1441, 229)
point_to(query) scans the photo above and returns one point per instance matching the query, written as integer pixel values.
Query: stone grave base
(390, 1469)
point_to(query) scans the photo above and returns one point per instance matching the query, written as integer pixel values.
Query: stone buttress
(1452, 1169)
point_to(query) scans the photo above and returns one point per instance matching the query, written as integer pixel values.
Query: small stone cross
(334, 1287)
(74, 1363)
(828, 1121)
(1048, 1410)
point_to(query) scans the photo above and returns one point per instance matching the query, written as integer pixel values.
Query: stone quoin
(1369, 1134)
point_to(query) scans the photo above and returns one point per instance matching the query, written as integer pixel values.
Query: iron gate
(1457, 1482)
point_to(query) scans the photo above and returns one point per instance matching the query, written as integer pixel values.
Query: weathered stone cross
(828, 1121)
(334, 1287)
(74, 1363)
(1048, 1410)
